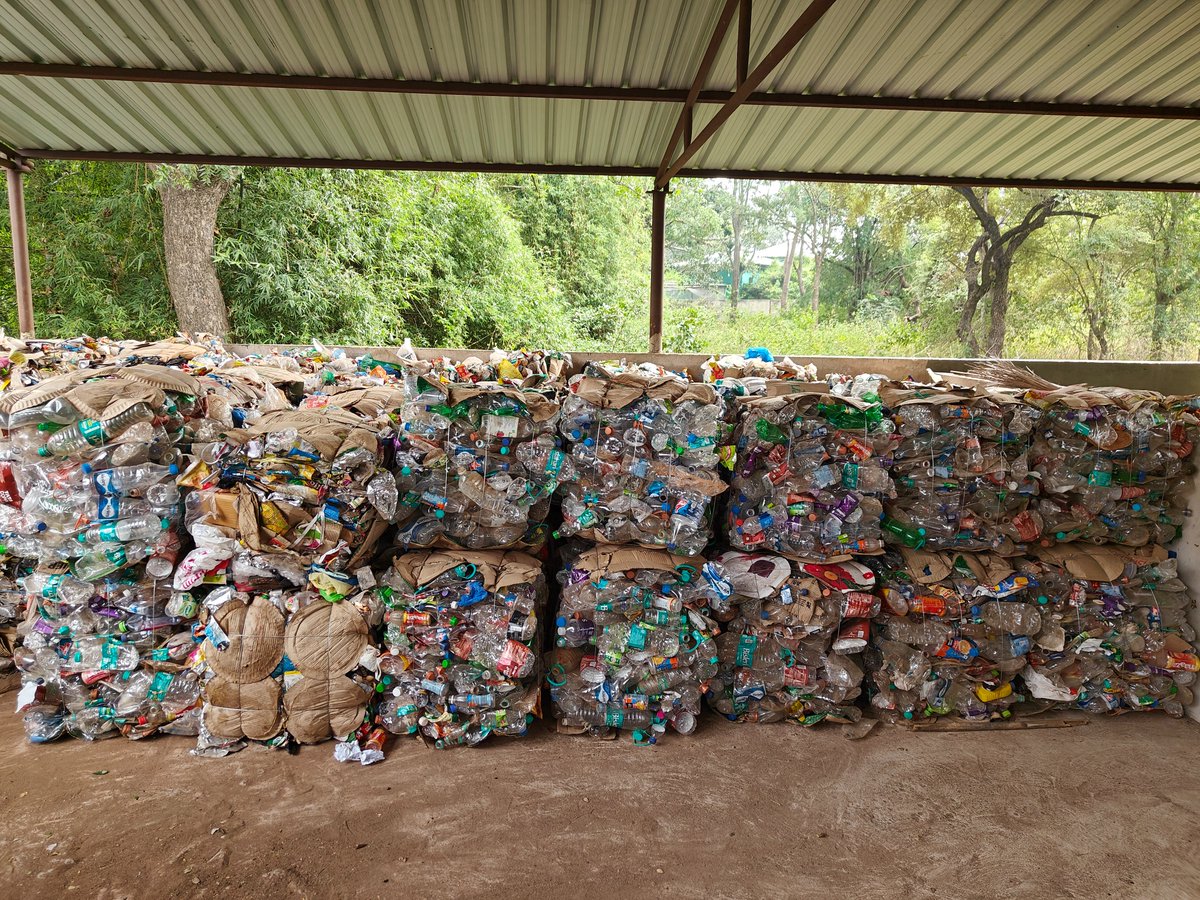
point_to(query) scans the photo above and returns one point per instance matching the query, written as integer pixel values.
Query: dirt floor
(1104, 810)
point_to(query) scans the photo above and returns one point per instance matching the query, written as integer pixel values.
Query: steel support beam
(773, 58)
(743, 42)
(594, 92)
(658, 228)
(20, 242)
(683, 126)
(401, 165)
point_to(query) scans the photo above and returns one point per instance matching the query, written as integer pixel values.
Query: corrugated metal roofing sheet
(1078, 51)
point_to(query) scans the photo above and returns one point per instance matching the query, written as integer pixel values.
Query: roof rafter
(591, 92)
(623, 171)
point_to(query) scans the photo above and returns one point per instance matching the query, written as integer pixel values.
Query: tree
(746, 230)
(191, 196)
(787, 209)
(1169, 220)
(990, 259)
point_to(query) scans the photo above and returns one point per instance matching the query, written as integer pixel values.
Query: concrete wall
(1165, 377)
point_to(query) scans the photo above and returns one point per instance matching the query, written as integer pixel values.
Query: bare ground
(1104, 810)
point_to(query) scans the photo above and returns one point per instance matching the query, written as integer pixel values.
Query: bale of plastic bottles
(962, 469)
(284, 664)
(635, 641)
(476, 465)
(954, 631)
(791, 637)
(644, 453)
(462, 643)
(1114, 465)
(90, 513)
(811, 473)
(1116, 633)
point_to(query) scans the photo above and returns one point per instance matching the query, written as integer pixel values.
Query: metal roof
(979, 90)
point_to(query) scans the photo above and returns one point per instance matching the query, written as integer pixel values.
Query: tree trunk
(189, 229)
(799, 264)
(818, 262)
(736, 287)
(998, 324)
(787, 271)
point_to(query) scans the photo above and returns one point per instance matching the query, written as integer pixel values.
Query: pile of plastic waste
(635, 641)
(91, 506)
(645, 447)
(954, 631)
(476, 464)
(1115, 633)
(811, 473)
(1114, 465)
(962, 470)
(791, 637)
(755, 368)
(463, 640)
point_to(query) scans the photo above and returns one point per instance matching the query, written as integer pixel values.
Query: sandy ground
(1104, 810)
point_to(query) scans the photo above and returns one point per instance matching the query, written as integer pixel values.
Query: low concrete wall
(1165, 377)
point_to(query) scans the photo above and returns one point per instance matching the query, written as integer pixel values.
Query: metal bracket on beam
(802, 26)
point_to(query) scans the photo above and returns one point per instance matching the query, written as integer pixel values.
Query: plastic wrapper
(635, 641)
(645, 448)
(91, 511)
(961, 466)
(463, 638)
(476, 466)
(811, 473)
(791, 638)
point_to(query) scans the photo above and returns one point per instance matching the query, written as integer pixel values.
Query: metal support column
(658, 222)
(20, 242)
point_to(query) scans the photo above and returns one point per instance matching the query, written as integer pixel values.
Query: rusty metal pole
(20, 242)
(658, 222)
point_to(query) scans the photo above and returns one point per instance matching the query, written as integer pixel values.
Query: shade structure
(999, 91)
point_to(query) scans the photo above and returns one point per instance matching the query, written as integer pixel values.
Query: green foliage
(563, 261)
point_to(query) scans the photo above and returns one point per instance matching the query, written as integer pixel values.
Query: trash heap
(791, 637)
(476, 464)
(755, 369)
(645, 448)
(1115, 633)
(962, 471)
(90, 505)
(463, 643)
(811, 473)
(635, 645)
(954, 631)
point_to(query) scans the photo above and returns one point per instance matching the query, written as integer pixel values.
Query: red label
(858, 605)
(9, 493)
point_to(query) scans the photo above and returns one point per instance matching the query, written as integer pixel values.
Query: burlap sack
(325, 638)
(322, 708)
(255, 633)
(252, 710)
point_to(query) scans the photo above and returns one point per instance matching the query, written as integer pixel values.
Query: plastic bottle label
(107, 532)
(637, 637)
(108, 506)
(554, 462)
(744, 656)
(110, 654)
(850, 475)
(158, 687)
(92, 431)
(50, 588)
(614, 718)
(1100, 478)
